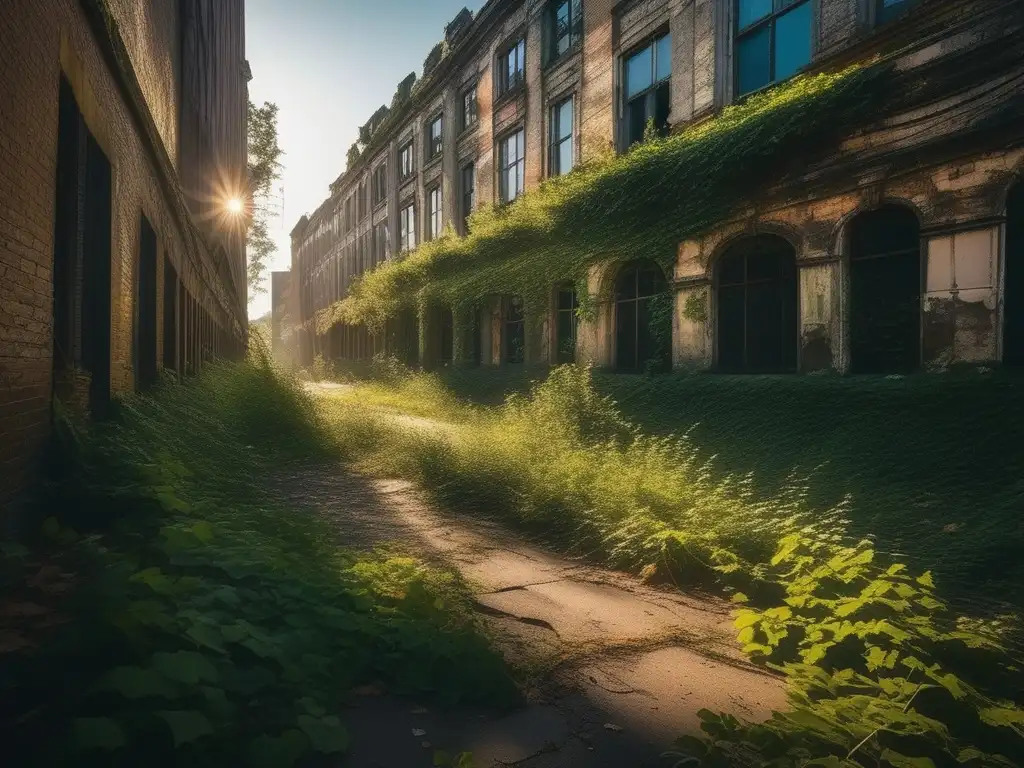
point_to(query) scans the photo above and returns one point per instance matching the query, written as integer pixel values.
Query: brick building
(902, 249)
(122, 137)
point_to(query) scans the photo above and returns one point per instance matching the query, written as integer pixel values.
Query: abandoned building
(122, 141)
(901, 250)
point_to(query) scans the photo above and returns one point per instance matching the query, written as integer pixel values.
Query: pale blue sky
(328, 65)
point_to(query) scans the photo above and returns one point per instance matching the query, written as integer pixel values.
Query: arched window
(515, 330)
(643, 317)
(1013, 285)
(566, 324)
(885, 291)
(757, 306)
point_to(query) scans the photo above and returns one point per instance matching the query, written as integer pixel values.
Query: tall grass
(882, 669)
(213, 622)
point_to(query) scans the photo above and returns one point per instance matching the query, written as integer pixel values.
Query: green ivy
(641, 204)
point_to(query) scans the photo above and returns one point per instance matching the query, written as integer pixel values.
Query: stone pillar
(820, 324)
(692, 324)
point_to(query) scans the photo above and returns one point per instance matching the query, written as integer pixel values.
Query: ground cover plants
(883, 666)
(172, 610)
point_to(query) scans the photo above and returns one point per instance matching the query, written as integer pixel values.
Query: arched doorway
(757, 306)
(643, 317)
(1013, 280)
(885, 291)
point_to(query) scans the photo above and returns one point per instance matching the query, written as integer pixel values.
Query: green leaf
(312, 706)
(925, 580)
(155, 579)
(281, 752)
(746, 618)
(234, 633)
(896, 760)
(326, 734)
(137, 683)
(739, 597)
(186, 726)
(207, 635)
(186, 667)
(97, 733)
(203, 531)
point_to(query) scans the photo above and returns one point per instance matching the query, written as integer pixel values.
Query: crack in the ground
(489, 611)
(518, 587)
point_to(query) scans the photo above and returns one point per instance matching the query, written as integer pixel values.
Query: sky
(328, 65)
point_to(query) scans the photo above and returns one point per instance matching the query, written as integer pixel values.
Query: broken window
(511, 67)
(757, 306)
(885, 291)
(512, 167)
(469, 108)
(145, 307)
(515, 330)
(1013, 285)
(647, 76)
(773, 41)
(436, 141)
(434, 213)
(566, 325)
(562, 154)
(643, 319)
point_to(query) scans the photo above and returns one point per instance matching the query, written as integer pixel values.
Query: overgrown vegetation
(638, 205)
(882, 668)
(264, 168)
(176, 612)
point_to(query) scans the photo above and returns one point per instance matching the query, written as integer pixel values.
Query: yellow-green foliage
(637, 205)
(881, 669)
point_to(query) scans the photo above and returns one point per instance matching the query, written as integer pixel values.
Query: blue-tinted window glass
(565, 158)
(565, 119)
(753, 10)
(638, 72)
(663, 58)
(793, 41)
(753, 53)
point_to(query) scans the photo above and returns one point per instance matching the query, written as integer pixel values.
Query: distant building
(122, 138)
(903, 250)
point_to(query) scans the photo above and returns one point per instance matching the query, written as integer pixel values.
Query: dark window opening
(447, 335)
(887, 10)
(145, 307)
(405, 164)
(515, 330)
(885, 291)
(512, 160)
(473, 333)
(511, 68)
(182, 323)
(567, 325)
(1013, 286)
(434, 213)
(773, 41)
(757, 307)
(468, 195)
(408, 341)
(469, 108)
(380, 183)
(96, 275)
(563, 152)
(66, 241)
(170, 316)
(436, 140)
(565, 24)
(648, 97)
(643, 318)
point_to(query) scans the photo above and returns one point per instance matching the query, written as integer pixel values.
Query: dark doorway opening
(1013, 285)
(145, 303)
(643, 318)
(758, 306)
(447, 336)
(96, 275)
(67, 240)
(567, 325)
(885, 291)
(515, 330)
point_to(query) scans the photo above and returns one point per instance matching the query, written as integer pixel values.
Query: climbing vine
(637, 205)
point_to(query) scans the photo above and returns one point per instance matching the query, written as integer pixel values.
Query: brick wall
(43, 39)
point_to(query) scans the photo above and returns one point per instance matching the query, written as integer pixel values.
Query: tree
(264, 170)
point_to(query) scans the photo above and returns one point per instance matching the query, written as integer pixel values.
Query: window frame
(554, 142)
(435, 215)
(649, 94)
(407, 227)
(435, 146)
(404, 175)
(514, 326)
(519, 134)
(507, 85)
(780, 8)
(567, 356)
(574, 30)
(380, 183)
(470, 117)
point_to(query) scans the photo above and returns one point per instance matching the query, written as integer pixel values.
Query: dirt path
(620, 668)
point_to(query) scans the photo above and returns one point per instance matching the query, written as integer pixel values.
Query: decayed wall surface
(41, 40)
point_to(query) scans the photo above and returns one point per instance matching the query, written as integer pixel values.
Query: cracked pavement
(619, 668)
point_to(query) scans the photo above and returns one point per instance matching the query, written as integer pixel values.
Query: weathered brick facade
(105, 276)
(940, 169)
